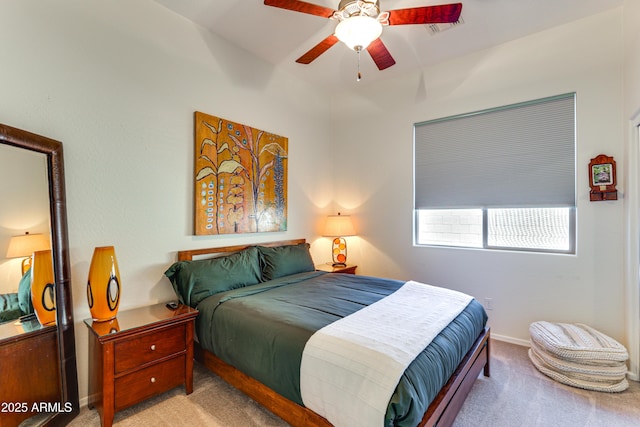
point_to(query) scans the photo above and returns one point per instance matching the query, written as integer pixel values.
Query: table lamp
(339, 226)
(25, 245)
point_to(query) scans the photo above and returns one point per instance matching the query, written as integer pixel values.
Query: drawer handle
(153, 347)
(153, 379)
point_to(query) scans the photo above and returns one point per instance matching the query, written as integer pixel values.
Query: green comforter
(9, 307)
(262, 331)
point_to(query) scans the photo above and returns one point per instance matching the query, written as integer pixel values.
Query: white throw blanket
(351, 367)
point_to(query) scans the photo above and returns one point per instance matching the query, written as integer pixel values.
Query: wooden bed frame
(441, 412)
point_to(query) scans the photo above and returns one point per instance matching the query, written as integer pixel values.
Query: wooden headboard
(189, 254)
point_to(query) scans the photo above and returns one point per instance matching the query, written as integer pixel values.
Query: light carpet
(516, 394)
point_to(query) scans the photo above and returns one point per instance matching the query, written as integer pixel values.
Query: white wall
(631, 121)
(374, 132)
(118, 82)
(632, 58)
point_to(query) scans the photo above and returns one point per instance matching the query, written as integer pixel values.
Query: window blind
(518, 155)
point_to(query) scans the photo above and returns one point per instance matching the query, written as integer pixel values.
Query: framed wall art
(240, 178)
(602, 178)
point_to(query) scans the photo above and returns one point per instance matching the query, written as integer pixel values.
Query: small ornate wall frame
(602, 178)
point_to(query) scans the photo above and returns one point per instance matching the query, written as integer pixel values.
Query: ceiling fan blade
(317, 50)
(301, 6)
(441, 14)
(380, 54)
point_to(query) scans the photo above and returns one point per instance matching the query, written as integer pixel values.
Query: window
(450, 227)
(498, 179)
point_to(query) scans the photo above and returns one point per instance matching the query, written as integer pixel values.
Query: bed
(262, 309)
(17, 304)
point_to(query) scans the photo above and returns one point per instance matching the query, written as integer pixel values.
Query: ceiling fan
(360, 24)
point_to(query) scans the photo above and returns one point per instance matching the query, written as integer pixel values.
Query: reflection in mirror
(25, 226)
(25, 245)
(42, 287)
(37, 353)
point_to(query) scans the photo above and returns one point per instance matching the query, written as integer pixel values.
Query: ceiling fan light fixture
(357, 32)
(360, 25)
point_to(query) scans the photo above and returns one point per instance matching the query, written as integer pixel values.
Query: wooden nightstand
(142, 353)
(349, 269)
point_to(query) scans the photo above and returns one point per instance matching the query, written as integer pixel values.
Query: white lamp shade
(358, 31)
(338, 226)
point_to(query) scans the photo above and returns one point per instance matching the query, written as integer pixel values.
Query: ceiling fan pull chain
(358, 50)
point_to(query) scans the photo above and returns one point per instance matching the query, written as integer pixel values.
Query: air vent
(438, 28)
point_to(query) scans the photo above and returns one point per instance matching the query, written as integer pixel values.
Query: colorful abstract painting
(240, 178)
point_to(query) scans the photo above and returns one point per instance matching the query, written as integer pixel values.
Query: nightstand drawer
(142, 384)
(148, 347)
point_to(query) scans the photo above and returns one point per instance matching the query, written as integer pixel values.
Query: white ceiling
(281, 36)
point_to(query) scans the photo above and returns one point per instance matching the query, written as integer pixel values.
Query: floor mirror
(37, 356)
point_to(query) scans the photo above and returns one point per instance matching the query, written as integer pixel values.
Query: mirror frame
(61, 267)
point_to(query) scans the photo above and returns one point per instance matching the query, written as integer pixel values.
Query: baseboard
(84, 401)
(504, 338)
